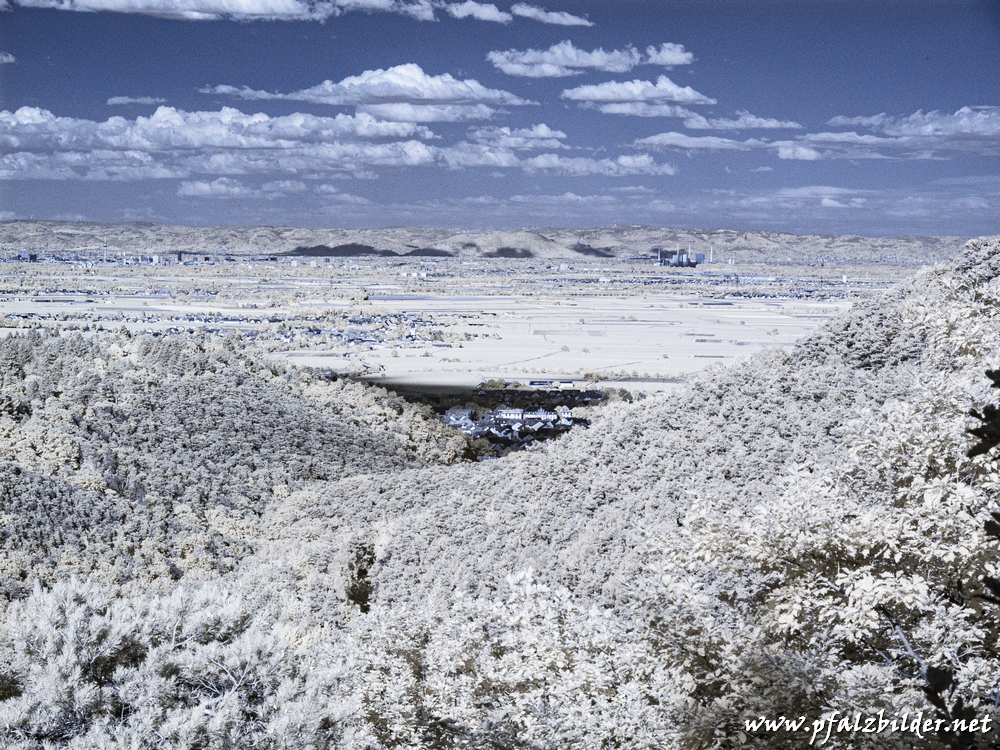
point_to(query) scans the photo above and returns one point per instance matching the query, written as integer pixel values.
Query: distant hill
(88, 238)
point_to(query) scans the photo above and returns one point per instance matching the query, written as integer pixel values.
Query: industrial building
(681, 258)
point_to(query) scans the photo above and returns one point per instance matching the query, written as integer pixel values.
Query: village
(509, 428)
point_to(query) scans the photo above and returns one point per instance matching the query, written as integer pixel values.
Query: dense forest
(201, 548)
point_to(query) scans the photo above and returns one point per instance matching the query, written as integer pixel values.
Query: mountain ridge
(617, 241)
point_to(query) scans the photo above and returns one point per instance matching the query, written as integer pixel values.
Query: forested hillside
(201, 549)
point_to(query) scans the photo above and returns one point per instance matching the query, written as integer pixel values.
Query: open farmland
(445, 323)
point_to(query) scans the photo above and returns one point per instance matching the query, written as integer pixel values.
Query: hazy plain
(446, 323)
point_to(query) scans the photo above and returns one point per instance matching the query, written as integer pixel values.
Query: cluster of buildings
(505, 427)
(681, 258)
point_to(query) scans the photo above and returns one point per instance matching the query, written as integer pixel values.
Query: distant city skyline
(874, 118)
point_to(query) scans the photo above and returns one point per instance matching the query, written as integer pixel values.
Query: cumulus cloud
(817, 191)
(849, 139)
(691, 143)
(242, 10)
(743, 121)
(668, 55)
(664, 90)
(564, 59)
(807, 199)
(977, 122)
(404, 84)
(404, 112)
(537, 136)
(584, 166)
(693, 120)
(642, 109)
(100, 164)
(223, 187)
(560, 18)
(284, 187)
(922, 134)
(567, 198)
(462, 155)
(796, 151)
(479, 11)
(212, 151)
(114, 100)
(811, 147)
(817, 203)
(167, 129)
(335, 196)
(6, 58)
(174, 143)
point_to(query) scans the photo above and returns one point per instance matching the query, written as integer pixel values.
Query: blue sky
(833, 117)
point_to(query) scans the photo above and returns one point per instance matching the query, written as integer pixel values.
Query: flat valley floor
(450, 324)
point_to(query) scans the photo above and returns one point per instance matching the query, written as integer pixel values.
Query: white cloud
(976, 122)
(167, 129)
(690, 143)
(101, 164)
(114, 100)
(567, 198)
(636, 189)
(816, 191)
(797, 151)
(479, 11)
(847, 139)
(642, 109)
(348, 198)
(229, 144)
(582, 166)
(810, 147)
(422, 10)
(284, 187)
(334, 194)
(223, 187)
(6, 58)
(174, 143)
(463, 155)
(923, 134)
(668, 55)
(637, 91)
(560, 18)
(386, 93)
(743, 121)
(242, 10)
(810, 199)
(563, 59)
(693, 120)
(403, 112)
(813, 146)
(537, 136)
(762, 169)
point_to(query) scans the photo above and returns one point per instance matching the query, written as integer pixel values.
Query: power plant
(681, 258)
